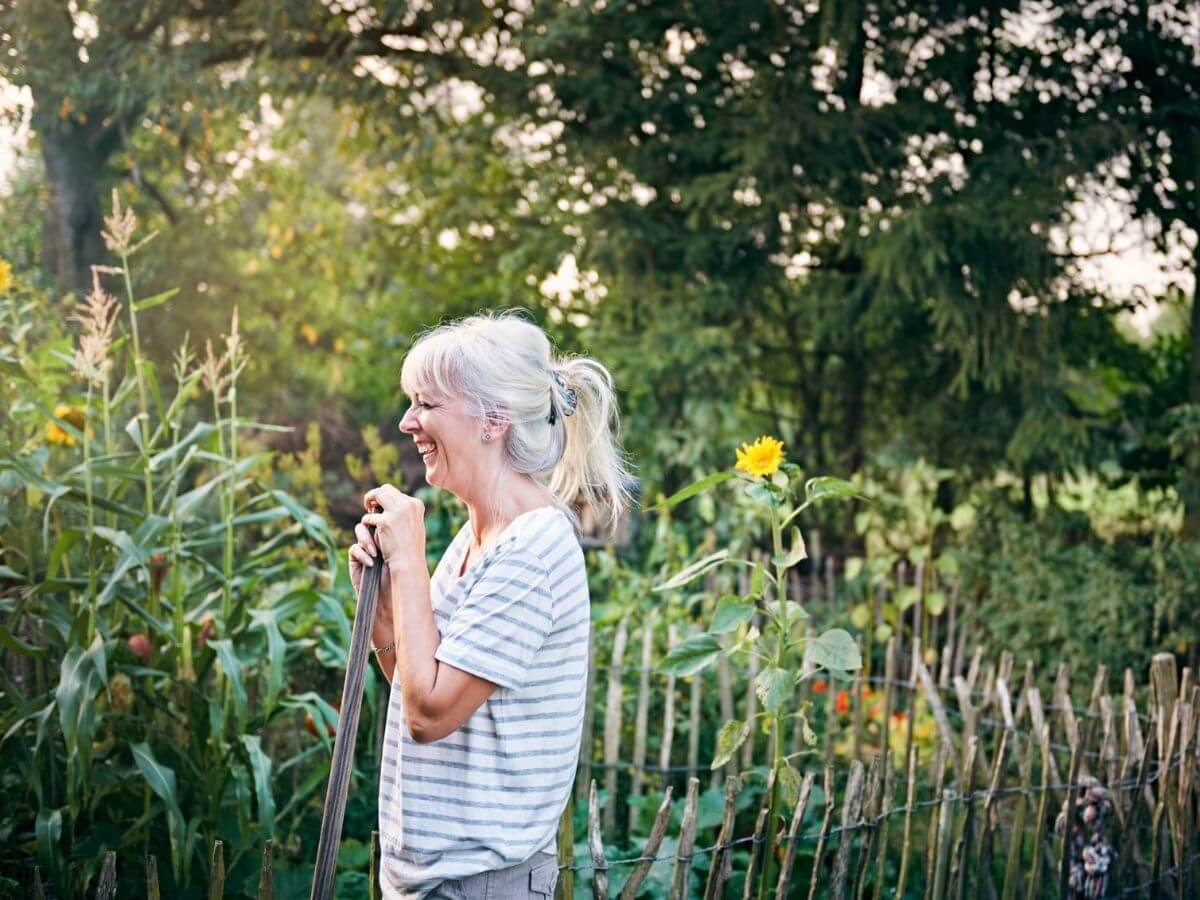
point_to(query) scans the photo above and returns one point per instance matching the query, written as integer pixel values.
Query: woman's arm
(437, 698)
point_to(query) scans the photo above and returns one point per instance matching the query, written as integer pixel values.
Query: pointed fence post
(589, 715)
(682, 877)
(638, 772)
(793, 836)
(107, 889)
(657, 832)
(826, 824)
(152, 891)
(719, 868)
(850, 815)
(612, 726)
(596, 846)
(216, 884)
(266, 876)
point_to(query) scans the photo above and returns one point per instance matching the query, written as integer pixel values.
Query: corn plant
(784, 644)
(158, 609)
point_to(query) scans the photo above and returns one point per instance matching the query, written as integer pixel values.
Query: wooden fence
(980, 812)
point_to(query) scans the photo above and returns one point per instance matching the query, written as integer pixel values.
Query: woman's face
(448, 438)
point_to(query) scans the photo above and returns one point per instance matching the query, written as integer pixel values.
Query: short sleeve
(502, 622)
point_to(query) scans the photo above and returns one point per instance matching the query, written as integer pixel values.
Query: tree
(858, 203)
(111, 69)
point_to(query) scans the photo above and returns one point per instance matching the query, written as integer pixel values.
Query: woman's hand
(399, 522)
(364, 553)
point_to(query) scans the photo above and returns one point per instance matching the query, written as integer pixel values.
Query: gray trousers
(533, 879)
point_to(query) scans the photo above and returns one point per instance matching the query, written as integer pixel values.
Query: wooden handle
(347, 733)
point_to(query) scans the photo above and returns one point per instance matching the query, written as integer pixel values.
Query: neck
(518, 494)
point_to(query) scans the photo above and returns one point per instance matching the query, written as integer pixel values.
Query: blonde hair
(502, 365)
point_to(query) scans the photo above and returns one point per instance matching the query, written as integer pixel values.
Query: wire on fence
(955, 797)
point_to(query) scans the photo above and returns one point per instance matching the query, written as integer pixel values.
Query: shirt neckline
(469, 533)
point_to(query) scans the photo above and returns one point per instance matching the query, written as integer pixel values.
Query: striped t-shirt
(490, 794)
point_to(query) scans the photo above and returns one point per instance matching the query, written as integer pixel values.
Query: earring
(487, 435)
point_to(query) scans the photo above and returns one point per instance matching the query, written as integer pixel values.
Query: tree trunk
(75, 163)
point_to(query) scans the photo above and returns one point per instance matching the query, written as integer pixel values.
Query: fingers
(382, 498)
(360, 555)
(365, 540)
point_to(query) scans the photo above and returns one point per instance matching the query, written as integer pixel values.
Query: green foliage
(161, 603)
(1054, 594)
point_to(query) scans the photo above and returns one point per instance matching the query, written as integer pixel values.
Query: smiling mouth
(427, 451)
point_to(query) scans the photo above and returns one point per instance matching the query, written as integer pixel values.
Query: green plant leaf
(764, 492)
(836, 650)
(758, 578)
(260, 767)
(696, 569)
(232, 667)
(788, 780)
(731, 612)
(905, 597)
(773, 686)
(793, 556)
(826, 487)
(156, 300)
(690, 656)
(731, 736)
(48, 833)
(693, 489)
(935, 603)
(162, 782)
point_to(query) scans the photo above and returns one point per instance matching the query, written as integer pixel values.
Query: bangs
(432, 365)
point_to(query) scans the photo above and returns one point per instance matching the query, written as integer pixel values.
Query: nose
(409, 421)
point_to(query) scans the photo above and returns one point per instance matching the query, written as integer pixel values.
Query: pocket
(543, 877)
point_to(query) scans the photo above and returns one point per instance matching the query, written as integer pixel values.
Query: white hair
(503, 366)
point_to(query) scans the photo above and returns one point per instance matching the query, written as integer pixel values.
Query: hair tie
(570, 397)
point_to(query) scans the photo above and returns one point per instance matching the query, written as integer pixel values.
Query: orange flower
(843, 702)
(820, 686)
(898, 717)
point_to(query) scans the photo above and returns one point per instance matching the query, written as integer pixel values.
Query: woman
(487, 659)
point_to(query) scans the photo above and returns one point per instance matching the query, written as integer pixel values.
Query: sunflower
(762, 458)
(56, 434)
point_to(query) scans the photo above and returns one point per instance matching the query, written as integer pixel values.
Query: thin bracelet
(389, 646)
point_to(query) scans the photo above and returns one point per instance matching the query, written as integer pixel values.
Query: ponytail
(591, 469)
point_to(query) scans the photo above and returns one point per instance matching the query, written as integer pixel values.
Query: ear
(497, 425)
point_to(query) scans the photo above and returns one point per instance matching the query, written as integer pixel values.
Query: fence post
(760, 827)
(589, 716)
(681, 879)
(612, 726)
(107, 889)
(824, 838)
(657, 832)
(966, 822)
(266, 877)
(152, 891)
(216, 886)
(719, 867)
(668, 737)
(639, 720)
(850, 820)
(793, 835)
(596, 846)
(564, 888)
